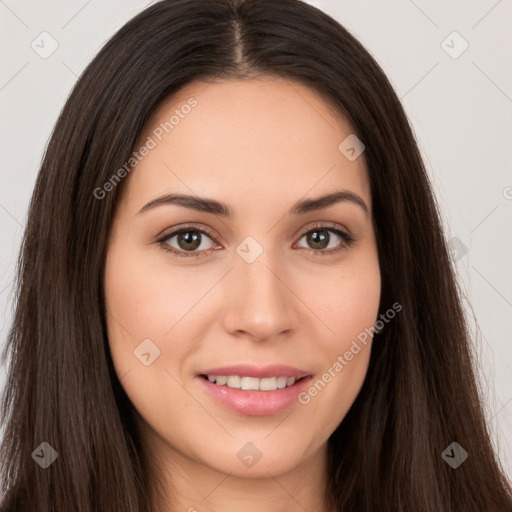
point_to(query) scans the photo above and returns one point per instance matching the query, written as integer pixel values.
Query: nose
(261, 305)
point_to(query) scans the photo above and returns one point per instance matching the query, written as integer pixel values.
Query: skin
(259, 145)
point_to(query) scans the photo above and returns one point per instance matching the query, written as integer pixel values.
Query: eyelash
(347, 239)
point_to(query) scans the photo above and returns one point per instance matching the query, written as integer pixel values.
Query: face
(248, 280)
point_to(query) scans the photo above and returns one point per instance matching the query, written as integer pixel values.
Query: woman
(234, 290)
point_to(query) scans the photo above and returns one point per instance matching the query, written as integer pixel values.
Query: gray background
(460, 108)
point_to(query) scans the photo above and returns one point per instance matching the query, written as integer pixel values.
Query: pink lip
(256, 403)
(247, 370)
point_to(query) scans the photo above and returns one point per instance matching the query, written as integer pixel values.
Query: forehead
(263, 138)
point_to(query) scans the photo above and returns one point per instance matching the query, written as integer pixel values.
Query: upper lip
(258, 372)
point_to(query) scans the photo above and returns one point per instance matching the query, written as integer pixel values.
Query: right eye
(187, 241)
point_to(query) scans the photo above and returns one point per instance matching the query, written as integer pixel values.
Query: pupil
(189, 240)
(318, 239)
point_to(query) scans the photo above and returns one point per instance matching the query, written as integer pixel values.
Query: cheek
(346, 299)
(146, 299)
(348, 304)
(355, 306)
(143, 304)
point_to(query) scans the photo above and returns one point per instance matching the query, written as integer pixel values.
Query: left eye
(319, 239)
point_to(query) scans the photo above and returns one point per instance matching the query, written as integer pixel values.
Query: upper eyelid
(175, 231)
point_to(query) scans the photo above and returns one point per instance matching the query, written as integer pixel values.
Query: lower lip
(255, 403)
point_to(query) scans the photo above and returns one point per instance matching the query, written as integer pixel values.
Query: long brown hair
(420, 393)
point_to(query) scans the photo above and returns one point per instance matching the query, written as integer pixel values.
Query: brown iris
(189, 240)
(318, 239)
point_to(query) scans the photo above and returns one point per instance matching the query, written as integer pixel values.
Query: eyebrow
(216, 207)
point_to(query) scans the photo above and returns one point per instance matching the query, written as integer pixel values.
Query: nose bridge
(259, 303)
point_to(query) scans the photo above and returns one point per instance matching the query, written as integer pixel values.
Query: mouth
(252, 383)
(252, 391)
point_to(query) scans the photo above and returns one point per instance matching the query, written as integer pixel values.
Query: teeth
(220, 379)
(251, 383)
(234, 381)
(281, 382)
(268, 384)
